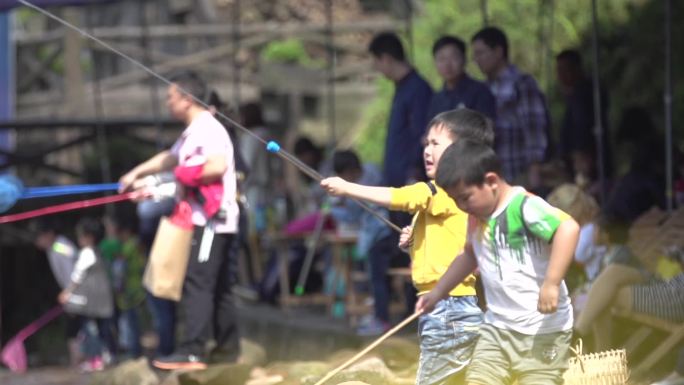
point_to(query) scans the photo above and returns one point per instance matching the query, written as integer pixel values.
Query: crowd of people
(471, 175)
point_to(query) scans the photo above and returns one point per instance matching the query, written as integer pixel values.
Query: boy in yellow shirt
(449, 332)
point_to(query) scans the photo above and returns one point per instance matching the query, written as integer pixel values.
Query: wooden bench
(648, 325)
(358, 306)
(653, 232)
(287, 298)
(355, 303)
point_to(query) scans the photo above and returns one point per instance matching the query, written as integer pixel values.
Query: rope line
(51, 191)
(66, 207)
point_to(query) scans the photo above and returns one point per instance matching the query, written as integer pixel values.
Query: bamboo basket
(604, 368)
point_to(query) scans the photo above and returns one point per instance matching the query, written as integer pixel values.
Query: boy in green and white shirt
(522, 247)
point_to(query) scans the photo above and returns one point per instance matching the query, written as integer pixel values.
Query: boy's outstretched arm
(337, 186)
(460, 268)
(562, 253)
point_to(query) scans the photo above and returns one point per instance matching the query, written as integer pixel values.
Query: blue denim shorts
(447, 339)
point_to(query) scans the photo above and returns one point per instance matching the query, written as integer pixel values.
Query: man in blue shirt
(403, 161)
(408, 117)
(460, 90)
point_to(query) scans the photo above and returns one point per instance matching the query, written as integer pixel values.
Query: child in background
(88, 293)
(584, 209)
(522, 247)
(61, 253)
(127, 268)
(447, 333)
(110, 246)
(375, 239)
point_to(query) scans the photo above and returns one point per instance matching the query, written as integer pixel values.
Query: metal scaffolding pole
(667, 99)
(331, 72)
(147, 60)
(485, 12)
(598, 124)
(409, 29)
(237, 97)
(98, 103)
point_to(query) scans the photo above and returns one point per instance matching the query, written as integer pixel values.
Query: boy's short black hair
(47, 224)
(90, 227)
(304, 145)
(464, 123)
(387, 43)
(449, 40)
(345, 160)
(493, 37)
(466, 161)
(571, 56)
(214, 99)
(124, 218)
(251, 115)
(616, 230)
(191, 83)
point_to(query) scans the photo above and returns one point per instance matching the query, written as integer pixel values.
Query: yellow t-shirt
(439, 234)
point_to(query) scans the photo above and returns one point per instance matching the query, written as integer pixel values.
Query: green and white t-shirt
(512, 250)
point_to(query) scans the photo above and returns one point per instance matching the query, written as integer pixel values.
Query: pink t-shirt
(203, 138)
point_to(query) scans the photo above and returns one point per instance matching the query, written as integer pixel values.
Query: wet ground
(44, 376)
(295, 334)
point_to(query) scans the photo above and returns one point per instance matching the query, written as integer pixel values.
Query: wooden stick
(369, 348)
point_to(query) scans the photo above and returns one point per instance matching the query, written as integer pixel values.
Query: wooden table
(356, 305)
(340, 244)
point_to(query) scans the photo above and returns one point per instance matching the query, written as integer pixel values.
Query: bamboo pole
(370, 347)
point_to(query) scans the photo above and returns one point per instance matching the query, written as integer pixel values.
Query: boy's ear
(492, 180)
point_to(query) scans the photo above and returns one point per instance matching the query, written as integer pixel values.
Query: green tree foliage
(289, 51)
(371, 143)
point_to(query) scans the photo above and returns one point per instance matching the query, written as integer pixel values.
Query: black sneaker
(179, 361)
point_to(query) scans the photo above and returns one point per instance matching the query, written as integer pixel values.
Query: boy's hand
(335, 186)
(63, 296)
(426, 302)
(548, 298)
(406, 238)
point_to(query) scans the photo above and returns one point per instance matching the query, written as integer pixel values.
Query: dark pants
(379, 257)
(164, 319)
(129, 331)
(96, 341)
(402, 259)
(207, 301)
